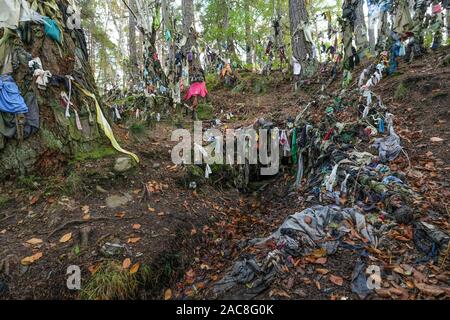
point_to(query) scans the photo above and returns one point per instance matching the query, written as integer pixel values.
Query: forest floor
(145, 235)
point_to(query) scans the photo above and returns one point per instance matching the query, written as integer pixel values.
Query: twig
(446, 256)
(79, 221)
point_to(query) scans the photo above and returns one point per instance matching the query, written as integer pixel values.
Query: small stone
(403, 215)
(100, 189)
(112, 249)
(116, 201)
(156, 165)
(123, 164)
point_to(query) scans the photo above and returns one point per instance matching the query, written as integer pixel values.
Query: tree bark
(371, 27)
(360, 28)
(58, 137)
(132, 48)
(302, 49)
(248, 35)
(231, 50)
(188, 25)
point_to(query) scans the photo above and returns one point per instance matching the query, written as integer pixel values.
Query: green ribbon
(294, 146)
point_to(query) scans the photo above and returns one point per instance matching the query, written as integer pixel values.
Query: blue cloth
(381, 126)
(10, 99)
(51, 29)
(390, 179)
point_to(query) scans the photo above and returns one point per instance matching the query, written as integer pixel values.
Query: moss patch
(96, 154)
(205, 111)
(401, 92)
(50, 140)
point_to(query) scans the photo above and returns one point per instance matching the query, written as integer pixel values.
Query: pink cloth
(196, 89)
(437, 8)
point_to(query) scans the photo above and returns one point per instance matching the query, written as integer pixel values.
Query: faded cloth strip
(103, 123)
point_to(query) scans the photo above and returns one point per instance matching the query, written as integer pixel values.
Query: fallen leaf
(65, 238)
(321, 261)
(94, 268)
(120, 215)
(34, 241)
(33, 200)
(319, 253)
(151, 209)
(135, 268)
(168, 294)
(322, 271)
(126, 263)
(436, 139)
(134, 240)
(337, 280)
(29, 260)
(204, 266)
(429, 290)
(136, 226)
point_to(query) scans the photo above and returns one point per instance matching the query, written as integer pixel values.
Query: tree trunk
(231, 50)
(348, 27)
(360, 28)
(132, 48)
(302, 48)
(56, 138)
(188, 25)
(248, 35)
(371, 27)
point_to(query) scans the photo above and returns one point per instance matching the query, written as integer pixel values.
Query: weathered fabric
(196, 89)
(8, 126)
(11, 100)
(9, 13)
(402, 20)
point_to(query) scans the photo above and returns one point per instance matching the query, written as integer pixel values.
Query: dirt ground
(180, 241)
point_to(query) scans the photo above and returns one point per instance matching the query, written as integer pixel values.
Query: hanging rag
(389, 148)
(103, 123)
(284, 141)
(11, 100)
(42, 78)
(73, 18)
(208, 171)
(294, 148)
(297, 66)
(8, 121)
(10, 13)
(70, 79)
(51, 29)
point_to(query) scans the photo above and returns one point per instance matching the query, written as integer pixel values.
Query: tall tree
(301, 39)
(248, 35)
(360, 28)
(189, 25)
(68, 128)
(132, 45)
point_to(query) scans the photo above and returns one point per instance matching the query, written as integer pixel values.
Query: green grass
(205, 111)
(4, 200)
(401, 92)
(137, 128)
(111, 282)
(73, 183)
(96, 154)
(213, 82)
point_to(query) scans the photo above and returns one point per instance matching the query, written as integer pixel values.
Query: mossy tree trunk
(59, 138)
